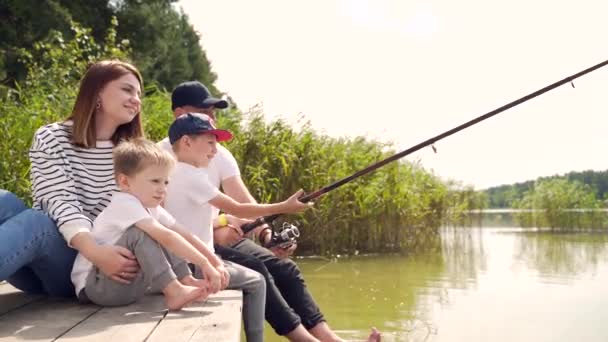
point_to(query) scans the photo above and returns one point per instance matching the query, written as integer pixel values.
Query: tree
(22, 23)
(556, 198)
(165, 46)
(54, 67)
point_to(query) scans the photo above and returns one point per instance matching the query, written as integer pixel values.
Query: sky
(405, 71)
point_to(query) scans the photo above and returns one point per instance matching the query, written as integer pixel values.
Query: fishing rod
(309, 197)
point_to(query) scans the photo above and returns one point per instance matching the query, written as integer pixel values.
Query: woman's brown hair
(97, 76)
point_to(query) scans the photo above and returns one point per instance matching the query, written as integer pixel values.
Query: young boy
(135, 220)
(193, 138)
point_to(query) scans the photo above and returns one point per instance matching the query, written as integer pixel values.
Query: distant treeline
(504, 196)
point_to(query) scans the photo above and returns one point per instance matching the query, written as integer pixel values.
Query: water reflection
(494, 281)
(463, 256)
(356, 293)
(395, 293)
(561, 256)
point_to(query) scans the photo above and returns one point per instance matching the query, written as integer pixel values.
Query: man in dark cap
(290, 307)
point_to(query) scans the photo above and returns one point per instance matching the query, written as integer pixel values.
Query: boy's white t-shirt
(222, 166)
(123, 212)
(188, 195)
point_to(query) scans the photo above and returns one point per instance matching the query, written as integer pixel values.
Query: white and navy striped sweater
(70, 183)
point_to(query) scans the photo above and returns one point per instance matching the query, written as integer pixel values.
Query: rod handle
(247, 227)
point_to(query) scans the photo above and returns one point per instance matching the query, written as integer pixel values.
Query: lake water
(495, 282)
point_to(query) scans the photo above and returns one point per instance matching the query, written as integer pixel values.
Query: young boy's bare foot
(374, 336)
(178, 295)
(201, 283)
(192, 281)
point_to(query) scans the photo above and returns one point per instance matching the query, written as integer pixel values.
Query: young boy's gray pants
(158, 268)
(253, 286)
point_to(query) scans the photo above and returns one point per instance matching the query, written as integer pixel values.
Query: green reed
(560, 204)
(396, 208)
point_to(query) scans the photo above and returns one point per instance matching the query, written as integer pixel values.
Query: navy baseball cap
(194, 93)
(195, 123)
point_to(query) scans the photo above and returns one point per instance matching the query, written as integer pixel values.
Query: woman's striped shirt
(71, 183)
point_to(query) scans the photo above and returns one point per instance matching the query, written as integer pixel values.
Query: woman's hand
(116, 262)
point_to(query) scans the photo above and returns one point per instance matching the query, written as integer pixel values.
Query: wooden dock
(39, 318)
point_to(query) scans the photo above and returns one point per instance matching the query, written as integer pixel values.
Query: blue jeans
(34, 257)
(288, 301)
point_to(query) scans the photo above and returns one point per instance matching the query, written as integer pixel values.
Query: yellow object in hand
(222, 220)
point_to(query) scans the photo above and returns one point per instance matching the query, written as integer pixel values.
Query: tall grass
(560, 204)
(396, 208)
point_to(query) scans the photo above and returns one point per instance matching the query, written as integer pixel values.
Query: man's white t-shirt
(188, 195)
(123, 212)
(222, 166)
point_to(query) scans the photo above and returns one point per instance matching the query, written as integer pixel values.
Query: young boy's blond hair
(134, 155)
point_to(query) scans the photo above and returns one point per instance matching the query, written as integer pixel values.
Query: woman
(72, 181)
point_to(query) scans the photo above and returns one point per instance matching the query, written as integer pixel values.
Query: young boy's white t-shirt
(222, 166)
(123, 212)
(188, 195)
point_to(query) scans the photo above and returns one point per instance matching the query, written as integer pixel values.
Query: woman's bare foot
(374, 336)
(178, 295)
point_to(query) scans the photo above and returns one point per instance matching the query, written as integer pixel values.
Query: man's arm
(235, 188)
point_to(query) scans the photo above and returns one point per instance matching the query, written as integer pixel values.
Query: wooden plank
(11, 298)
(131, 323)
(43, 320)
(47, 319)
(218, 319)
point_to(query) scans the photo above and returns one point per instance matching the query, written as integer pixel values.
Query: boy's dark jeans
(288, 301)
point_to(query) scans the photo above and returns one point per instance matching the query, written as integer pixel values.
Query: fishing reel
(285, 237)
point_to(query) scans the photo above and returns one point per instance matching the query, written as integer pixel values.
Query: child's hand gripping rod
(247, 227)
(268, 219)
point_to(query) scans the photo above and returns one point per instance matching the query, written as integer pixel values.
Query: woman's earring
(98, 105)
